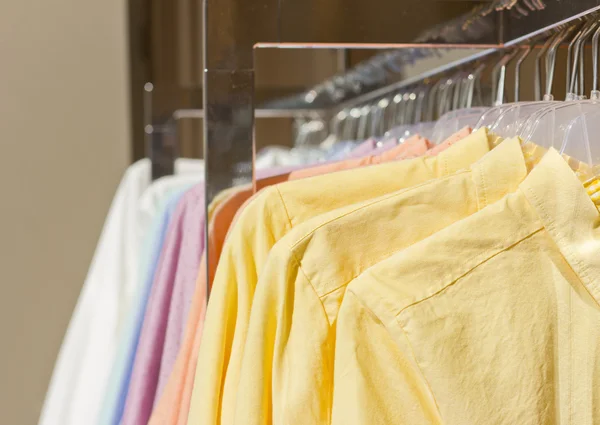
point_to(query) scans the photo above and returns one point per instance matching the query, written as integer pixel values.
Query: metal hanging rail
(161, 135)
(373, 95)
(368, 97)
(234, 28)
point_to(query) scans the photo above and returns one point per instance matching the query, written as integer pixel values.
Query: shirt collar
(415, 145)
(569, 215)
(467, 150)
(499, 172)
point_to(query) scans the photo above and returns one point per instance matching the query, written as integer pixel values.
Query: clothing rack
(234, 28)
(161, 133)
(229, 71)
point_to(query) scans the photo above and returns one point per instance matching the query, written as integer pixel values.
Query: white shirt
(83, 366)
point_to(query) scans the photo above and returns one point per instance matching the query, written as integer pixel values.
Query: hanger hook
(538, 70)
(379, 124)
(571, 69)
(431, 100)
(595, 40)
(442, 104)
(551, 60)
(582, 42)
(502, 75)
(408, 112)
(520, 60)
(338, 124)
(420, 102)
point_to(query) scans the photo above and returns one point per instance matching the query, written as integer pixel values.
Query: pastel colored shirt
(493, 320)
(289, 349)
(365, 148)
(173, 407)
(83, 368)
(168, 305)
(341, 149)
(271, 215)
(116, 393)
(414, 146)
(386, 145)
(168, 404)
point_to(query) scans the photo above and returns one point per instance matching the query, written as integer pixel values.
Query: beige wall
(64, 142)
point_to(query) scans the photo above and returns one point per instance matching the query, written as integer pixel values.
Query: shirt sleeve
(82, 369)
(261, 224)
(286, 371)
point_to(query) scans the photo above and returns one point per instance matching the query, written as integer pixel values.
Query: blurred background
(66, 139)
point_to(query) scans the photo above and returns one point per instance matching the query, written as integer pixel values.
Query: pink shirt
(168, 307)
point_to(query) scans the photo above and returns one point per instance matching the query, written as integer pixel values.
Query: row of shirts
(461, 288)
(131, 347)
(449, 284)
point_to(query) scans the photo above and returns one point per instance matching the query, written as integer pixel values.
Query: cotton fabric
(365, 148)
(507, 332)
(414, 146)
(168, 306)
(263, 222)
(291, 334)
(173, 406)
(82, 370)
(116, 393)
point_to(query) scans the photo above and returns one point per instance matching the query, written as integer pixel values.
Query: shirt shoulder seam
(375, 201)
(285, 208)
(412, 352)
(478, 260)
(310, 283)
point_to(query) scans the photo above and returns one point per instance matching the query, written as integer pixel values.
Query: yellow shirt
(270, 216)
(290, 343)
(493, 320)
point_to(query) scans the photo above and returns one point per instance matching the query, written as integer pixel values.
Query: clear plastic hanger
(443, 105)
(409, 109)
(491, 117)
(499, 77)
(420, 104)
(525, 127)
(526, 51)
(410, 106)
(401, 105)
(363, 123)
(431, 100)
(510, 119)
(454, 121)
(393, 110)
(410, 118)
(577, 141)
(556, 125)
(538, 68)
(462, 113)
(350, 127)
(379, 117)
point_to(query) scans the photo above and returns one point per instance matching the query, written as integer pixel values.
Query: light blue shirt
(118, 385)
